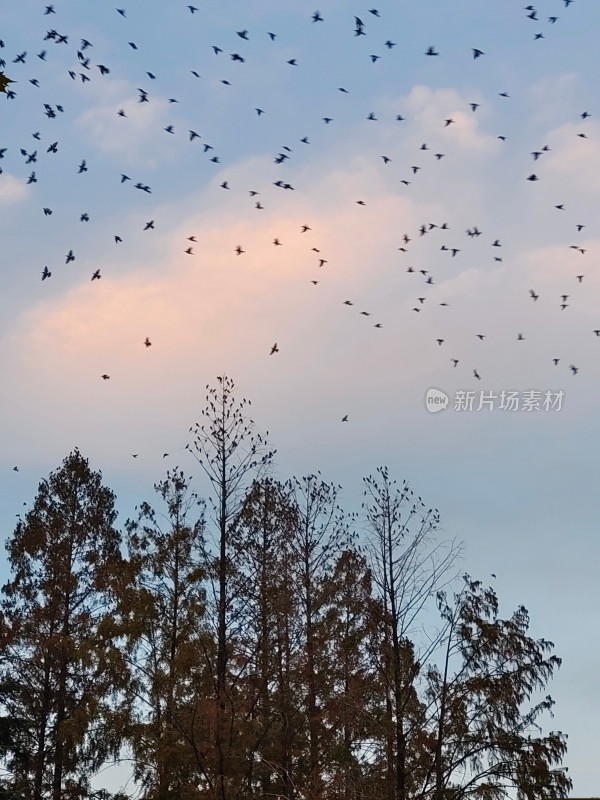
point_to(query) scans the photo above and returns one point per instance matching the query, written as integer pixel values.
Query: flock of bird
(22, 75)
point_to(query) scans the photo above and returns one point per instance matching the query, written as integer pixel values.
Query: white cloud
(139, 136)
(432, 107)
(12, 189)
(575, 160)
(216, 312)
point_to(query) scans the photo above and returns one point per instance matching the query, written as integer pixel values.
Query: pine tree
(351, 680)
(232, 456)
(163, 623)
(485, 743)
(321, 534)
(270, 615)
(407, 566)
(63, 557)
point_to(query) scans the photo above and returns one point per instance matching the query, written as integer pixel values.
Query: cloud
(214, 311)
(139, 136)
(432, 107)
(574, 160)
(12, 189)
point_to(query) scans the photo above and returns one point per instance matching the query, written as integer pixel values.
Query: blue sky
(519, 488)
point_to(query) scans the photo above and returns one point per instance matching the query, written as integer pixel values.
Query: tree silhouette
(231, 454)
(271, 650)
(485, 741)
(63, 557)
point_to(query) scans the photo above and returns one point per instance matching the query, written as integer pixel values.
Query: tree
(15, 739)
(4, 82)
(321, 534)
(163, 621)
(483, 740)
(269, 642)
(407, 567)
(232, 455)
(278, 658)
(351, 679)
(64, 556)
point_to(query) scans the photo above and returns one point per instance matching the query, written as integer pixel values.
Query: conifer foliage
(57, 645)
(273, 647)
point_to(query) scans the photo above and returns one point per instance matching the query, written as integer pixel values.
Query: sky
(464, 187)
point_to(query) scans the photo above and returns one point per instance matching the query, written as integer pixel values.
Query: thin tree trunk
(40, 761)
(59, 751)
(222, 623)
